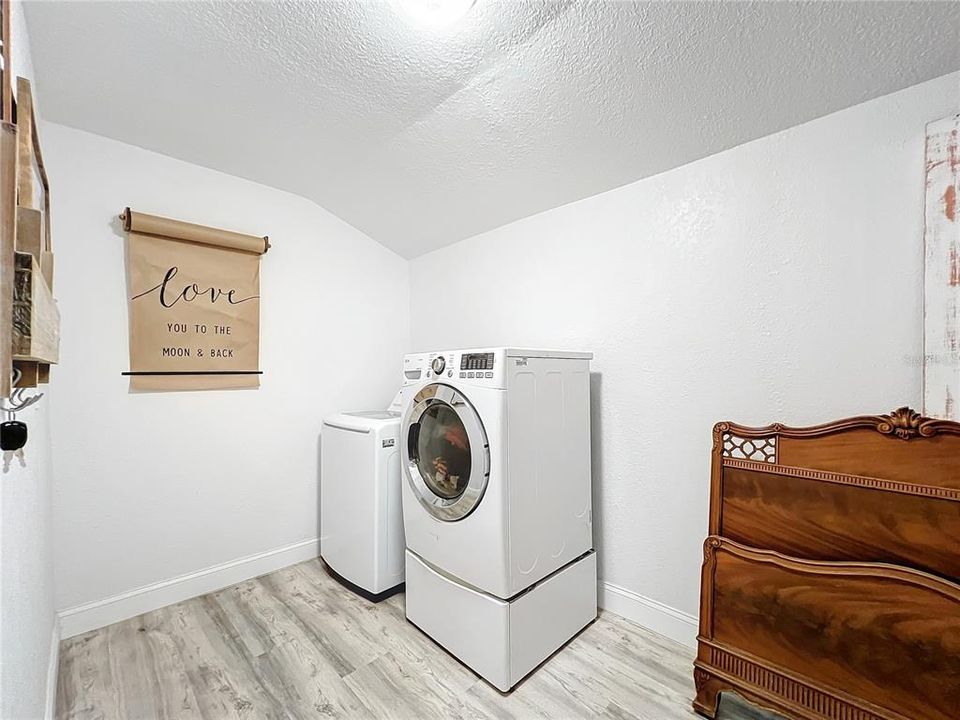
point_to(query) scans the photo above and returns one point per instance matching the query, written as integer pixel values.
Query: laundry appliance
(496, 495)
(361, 525)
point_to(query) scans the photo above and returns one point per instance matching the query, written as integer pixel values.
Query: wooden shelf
(30, 339)
(36, 320)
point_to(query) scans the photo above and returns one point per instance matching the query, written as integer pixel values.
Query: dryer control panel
(476, 361)
(442, 366)
(482, 367)
(475, 367)
(415, 366)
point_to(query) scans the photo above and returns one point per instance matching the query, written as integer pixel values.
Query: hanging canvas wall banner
(194, 295)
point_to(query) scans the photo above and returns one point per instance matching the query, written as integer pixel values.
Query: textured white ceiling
(421, 139)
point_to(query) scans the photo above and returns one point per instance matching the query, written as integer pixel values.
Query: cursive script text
(170, 297)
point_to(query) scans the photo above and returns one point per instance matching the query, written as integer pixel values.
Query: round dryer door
(447, 457)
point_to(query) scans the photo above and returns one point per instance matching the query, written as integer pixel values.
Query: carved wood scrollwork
(718, 430)
(906, 423)
(761, 449)
(700, 678)
(709, 546)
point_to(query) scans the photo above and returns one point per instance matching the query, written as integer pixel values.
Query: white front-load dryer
(451, 491)
(496, 496)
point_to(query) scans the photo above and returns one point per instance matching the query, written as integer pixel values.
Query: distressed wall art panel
(941, 356)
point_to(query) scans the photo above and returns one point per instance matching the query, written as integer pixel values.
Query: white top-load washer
(361, 525)
(495, 452)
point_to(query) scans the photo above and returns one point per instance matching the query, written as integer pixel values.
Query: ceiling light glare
(434, 14)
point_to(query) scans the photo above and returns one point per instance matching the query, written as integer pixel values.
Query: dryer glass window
(443, 451)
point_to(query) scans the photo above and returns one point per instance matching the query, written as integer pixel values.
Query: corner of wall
(100, 613)
(31, 688)
(649, 613)
(53, 670)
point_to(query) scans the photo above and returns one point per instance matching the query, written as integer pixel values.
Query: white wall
(28, 630)
(779, 280)
(155, 486)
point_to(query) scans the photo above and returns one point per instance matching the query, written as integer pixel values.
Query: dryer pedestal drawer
(502, 640)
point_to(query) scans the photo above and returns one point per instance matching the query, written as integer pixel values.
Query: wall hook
(17, 400)
(13, 433)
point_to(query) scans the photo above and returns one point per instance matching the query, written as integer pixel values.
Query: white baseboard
(663, 619)
(100, 613)
(651, 614)
(53, 669)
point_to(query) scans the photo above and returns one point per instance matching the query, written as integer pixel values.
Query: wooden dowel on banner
(190, 232)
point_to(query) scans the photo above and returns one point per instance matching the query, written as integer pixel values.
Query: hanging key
(13, 436)
(13, 433)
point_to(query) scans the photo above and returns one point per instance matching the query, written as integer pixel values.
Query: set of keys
(13, 436)
(13, 432)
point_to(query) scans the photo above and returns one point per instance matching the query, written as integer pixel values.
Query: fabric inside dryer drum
(443, 451)
(447, 456)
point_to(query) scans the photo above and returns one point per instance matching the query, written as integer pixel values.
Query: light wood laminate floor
(296, 644)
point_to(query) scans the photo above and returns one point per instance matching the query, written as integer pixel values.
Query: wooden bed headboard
(832, 564)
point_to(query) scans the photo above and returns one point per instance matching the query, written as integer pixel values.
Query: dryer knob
(438, 364)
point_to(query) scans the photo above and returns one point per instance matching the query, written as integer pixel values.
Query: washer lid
(375, 414)
(363, 421)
